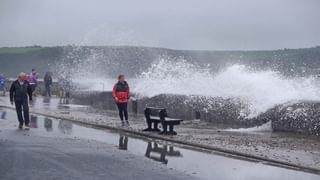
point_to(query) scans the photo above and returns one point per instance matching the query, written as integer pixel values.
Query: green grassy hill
(133, 60)
(16, 60)
(19, 50)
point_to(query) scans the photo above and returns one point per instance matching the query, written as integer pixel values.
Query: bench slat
(155, 108)
(172, 119)
(154, 117)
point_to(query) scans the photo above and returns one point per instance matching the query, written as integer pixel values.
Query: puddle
(195, 163)
(56, 104)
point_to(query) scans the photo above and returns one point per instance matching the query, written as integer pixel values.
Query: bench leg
(149, 128)
(148, 151)
(165, 130)
(164, 127)
(155, 127)
(163, 155)
(171, 131)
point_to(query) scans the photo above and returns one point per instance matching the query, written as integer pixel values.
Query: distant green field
(18, 50)
(134, 60)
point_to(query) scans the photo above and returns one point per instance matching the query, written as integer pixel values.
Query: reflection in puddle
(3, 115)
(48, 124)
(204, 165)
(159, 153)
(64, 101)
(46, 100)
(154, 150)
(33, 121)
(54, 104)
(65, 126)
(123, 142)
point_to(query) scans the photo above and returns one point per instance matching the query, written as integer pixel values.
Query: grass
(18, 50)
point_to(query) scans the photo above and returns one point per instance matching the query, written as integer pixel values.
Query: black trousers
(47, 91)
(122, 107)
(33, 87)
(22, 106)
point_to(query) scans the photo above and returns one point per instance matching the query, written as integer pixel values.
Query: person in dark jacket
(121, 95)
(47, 84)
(20, 92)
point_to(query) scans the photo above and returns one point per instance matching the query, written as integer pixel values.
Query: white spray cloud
(261, 90)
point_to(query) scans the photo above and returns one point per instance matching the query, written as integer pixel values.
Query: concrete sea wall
(301, 117)
(40, 87)
(214, 110)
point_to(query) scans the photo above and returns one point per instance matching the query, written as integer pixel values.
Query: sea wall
(40, 88)
(299, 117)
(214, 110)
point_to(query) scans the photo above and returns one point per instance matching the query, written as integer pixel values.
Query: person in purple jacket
(33, 80)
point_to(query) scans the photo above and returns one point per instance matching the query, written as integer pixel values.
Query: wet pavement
(59, 149)
(288, 148)
(63, 141)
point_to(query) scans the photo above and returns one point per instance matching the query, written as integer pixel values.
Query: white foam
(261, 90)
(263, 128)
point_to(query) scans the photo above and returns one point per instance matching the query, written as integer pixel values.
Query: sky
(176, 24)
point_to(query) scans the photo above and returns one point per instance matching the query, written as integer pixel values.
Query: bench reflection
(160, 152)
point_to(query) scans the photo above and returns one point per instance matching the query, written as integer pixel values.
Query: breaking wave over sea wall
(257, 90)
(234, 93)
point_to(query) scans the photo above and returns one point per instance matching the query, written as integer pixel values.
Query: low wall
(215, 110)
(302, 117)
(101, 100)
(40, 87)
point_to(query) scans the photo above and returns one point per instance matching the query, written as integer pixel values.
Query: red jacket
(121, 92)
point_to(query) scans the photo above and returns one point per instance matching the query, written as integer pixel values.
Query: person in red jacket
(121, 95)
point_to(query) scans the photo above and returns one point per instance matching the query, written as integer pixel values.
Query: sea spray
(259, 90)
(255, 91)
(82, 66)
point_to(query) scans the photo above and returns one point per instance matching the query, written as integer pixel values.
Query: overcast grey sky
(178, 24)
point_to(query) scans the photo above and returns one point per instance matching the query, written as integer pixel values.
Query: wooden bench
(159, 115)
